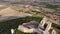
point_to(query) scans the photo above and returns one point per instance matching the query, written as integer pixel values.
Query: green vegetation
(58, 32)
(51, 6)
(6, 26)
(37, 16)
(56, 27)
(19, 32)
(50, 31)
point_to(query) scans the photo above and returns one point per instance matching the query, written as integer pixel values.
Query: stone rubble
(41, 28)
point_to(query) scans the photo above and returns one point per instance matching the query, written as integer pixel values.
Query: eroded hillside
(51, 13)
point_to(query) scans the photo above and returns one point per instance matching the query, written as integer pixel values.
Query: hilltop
(26, 13)
(50, 13)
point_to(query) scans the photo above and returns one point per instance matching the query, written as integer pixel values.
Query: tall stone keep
(45, 25)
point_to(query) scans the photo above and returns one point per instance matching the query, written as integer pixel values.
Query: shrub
(51, 6)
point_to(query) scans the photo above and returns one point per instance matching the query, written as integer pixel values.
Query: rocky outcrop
(28, 27)
(52, 14)
(54, 32)
(31, 27)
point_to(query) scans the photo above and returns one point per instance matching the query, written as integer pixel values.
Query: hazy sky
(36, 0)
